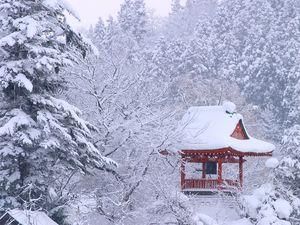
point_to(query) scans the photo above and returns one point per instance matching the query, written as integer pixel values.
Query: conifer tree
(133, 18)
(99, 31)
(175, 23)
(43, 140)
(176, 6)
(260, 55)
(288, 172)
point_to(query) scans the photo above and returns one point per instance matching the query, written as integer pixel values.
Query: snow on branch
(61, 105)
(22, 81)
(18, 119)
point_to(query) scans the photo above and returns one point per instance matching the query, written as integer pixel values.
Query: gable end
(239, 132)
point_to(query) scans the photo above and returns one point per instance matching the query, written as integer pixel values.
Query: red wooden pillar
(219, 172)
(203, 170)
(182, 172)
(241, 170)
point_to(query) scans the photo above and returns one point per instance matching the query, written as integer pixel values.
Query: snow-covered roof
(211, 127)
(27, 217)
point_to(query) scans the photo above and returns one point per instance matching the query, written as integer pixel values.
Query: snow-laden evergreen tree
(133, 18)
(288, 172)
(176, 6)
(98, 31)
(260, 54)
(175, 21)
(197, 11)
(183, 20)
(43, 140)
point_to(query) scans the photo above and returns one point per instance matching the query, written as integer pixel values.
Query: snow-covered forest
(85, 114)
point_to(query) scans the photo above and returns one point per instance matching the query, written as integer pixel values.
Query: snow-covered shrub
(266, 207)
(272, 163)
(202, 219)
(278, 202)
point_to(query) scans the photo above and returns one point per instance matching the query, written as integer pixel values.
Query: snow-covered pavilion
(212, 136)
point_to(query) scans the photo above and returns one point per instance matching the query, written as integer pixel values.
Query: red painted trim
(222, 151)
(197, 159)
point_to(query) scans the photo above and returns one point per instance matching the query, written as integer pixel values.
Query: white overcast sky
(90, 10)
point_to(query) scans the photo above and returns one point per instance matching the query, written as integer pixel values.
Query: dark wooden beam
(219, 172)
(182, 174)
(241, 170)
(203, 170)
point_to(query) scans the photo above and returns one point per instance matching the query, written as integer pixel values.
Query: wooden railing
(209, 184)
(231, 183)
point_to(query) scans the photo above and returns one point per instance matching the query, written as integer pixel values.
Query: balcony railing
(209, 184)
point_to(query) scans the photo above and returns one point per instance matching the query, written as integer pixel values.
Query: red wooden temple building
(211, 137)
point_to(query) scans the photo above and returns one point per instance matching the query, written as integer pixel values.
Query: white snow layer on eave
(250, 145)
(26, 217)
(210, 127)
